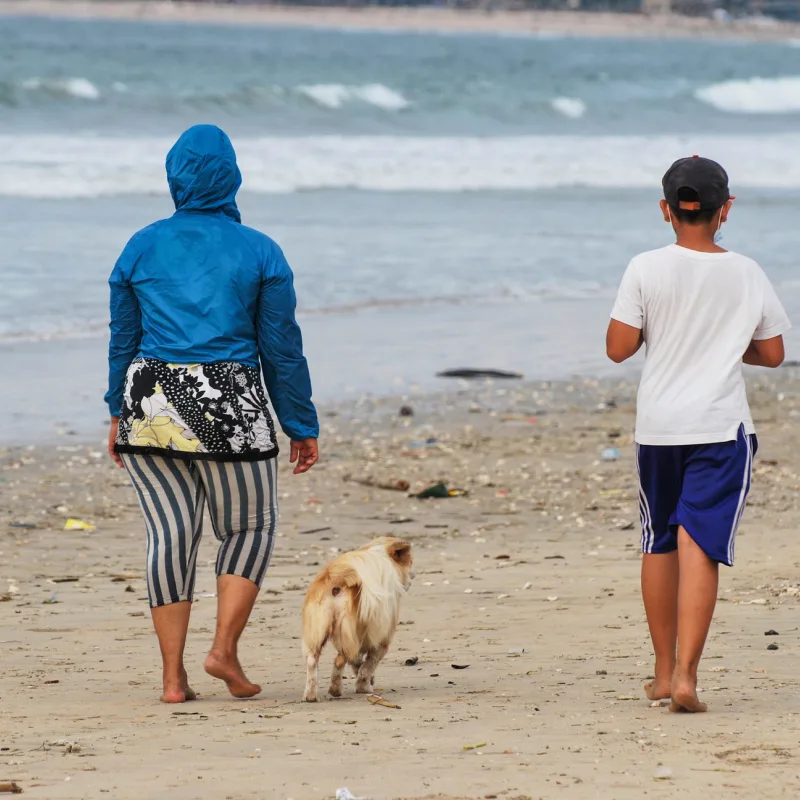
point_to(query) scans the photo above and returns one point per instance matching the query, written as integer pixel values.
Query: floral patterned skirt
(196, 411)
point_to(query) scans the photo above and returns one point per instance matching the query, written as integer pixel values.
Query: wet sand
(530, 581)
(444, 20)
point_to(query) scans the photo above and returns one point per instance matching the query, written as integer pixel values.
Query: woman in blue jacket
(200, 304)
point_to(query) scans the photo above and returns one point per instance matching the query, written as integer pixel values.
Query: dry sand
(531, 580)
(410, 19)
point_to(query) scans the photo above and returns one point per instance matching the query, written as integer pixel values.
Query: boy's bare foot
(684, 696)
(228, 669)
(658, 690)
(178, 691)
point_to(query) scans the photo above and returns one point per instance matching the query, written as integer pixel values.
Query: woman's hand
(112, 438)
(305, 454)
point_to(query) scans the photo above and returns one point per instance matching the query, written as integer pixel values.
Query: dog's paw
(310, 698)
(362, 687)
(335, 691)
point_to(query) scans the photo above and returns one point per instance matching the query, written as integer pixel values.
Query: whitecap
(754, 96)
(335, 95)
(330, 95)
(81, 87)
(75, 87)
(377, 94)
(571, 107)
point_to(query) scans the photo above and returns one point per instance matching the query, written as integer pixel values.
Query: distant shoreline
(416, 19)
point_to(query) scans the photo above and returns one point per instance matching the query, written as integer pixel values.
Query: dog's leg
(312, 675)
(336, 679)
(366, 674)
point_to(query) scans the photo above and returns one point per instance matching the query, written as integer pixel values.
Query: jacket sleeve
(126, 330)
(280, 346)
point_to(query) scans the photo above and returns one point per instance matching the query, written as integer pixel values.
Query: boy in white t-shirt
(700, 311)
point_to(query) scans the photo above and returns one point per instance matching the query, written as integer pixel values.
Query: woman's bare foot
(658, 690)
(684, 696)
(228, 669)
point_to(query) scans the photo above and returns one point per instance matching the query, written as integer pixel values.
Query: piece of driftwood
(466, 372)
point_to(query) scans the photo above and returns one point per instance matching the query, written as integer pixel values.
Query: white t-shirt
(698, 313)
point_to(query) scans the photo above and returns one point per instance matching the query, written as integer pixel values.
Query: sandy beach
(530, 581)
(444, 20)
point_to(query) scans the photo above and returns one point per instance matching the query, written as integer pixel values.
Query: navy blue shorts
(702, 487)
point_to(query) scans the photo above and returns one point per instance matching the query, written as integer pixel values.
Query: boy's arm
(624, 336)
(765, 352)
(622, 341)
(766, 348)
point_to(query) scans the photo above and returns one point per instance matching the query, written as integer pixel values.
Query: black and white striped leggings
(242, 499)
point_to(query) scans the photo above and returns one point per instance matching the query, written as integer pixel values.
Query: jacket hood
(202, 172)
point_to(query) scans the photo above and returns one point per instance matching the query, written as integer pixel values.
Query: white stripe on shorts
(748, 466)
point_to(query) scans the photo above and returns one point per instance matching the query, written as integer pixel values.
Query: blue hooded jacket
(201, 287)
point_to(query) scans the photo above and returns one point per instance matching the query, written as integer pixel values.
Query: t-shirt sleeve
(629, 306)
(774, 320)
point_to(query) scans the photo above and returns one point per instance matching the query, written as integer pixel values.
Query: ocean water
(445, 200)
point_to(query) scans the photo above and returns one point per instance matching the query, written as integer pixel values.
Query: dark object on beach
(130, 589)
(439, 490)
(406, 411)
(466, 372)
(10, 788)
(21, 525)
(771, 632)
(550, 558)
(460, 666)
(600, 672)
(400, 521)
(772, 646)
(392, 485)
(315, 530)
(412, 662)
(66, 579)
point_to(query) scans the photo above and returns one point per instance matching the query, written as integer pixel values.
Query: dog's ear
(400, 552)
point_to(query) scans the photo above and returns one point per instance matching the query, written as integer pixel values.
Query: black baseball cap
(707, 178)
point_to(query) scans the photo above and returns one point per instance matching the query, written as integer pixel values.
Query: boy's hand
(622, 341)
(305, 454)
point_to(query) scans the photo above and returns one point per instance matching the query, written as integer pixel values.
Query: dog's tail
(331, 611)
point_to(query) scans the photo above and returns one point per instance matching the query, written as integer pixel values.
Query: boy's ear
(665, 211)
(725, 210)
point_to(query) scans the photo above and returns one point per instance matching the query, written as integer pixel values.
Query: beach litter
(406, 411)
(474, 746)
(663, 774)
(345, 794)
(610, 454)
(377, 700)
(460, 666)
(393, 485)
(412, 662)
(439, 490)
(78, 525)
(10, 788)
